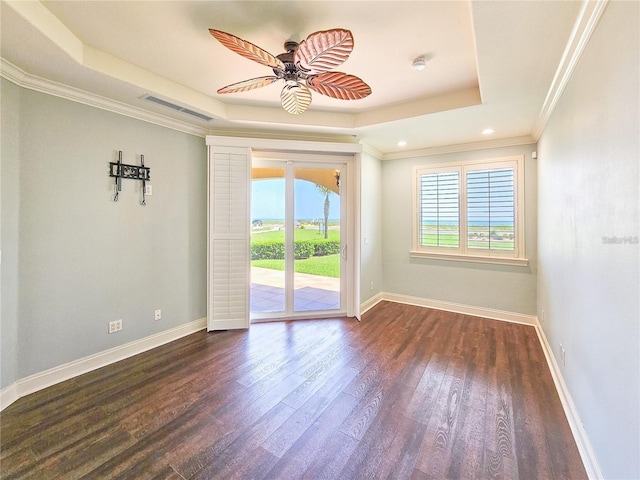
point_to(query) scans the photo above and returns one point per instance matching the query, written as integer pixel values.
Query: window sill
(519, 262)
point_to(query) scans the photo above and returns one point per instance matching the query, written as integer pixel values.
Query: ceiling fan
(303, 66)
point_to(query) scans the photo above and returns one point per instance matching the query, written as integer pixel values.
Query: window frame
(463, 252)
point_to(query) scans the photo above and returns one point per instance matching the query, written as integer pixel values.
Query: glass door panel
(317, 243)
(268, 235)
(297, 253)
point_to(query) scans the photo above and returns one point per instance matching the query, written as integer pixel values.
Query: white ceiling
(491, 64)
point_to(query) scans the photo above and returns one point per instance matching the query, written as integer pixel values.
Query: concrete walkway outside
(311, 292)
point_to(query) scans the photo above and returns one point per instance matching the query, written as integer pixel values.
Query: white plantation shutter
(229, 238)
(439, 209)
(471, 211)
(491, 210)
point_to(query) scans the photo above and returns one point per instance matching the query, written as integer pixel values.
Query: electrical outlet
(115, 326)
(542, 316)
(563, 355)
(371, 286)
(148, 190)
(158, 314)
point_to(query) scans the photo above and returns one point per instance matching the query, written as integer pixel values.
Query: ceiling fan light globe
(295, 97)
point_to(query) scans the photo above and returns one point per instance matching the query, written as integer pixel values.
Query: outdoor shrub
(326, 247)
(303, 249)
(267, 251)
(274, 249)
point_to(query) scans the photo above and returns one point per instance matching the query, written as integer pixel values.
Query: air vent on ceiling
(177, 108)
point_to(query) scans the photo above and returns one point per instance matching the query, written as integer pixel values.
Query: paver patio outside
(311, 292)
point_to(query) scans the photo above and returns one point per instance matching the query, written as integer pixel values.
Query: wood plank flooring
(408, 393)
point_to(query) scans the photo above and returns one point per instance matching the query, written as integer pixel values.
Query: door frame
(352, 154)
(289, 163)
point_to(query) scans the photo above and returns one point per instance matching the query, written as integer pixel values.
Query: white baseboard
(370, 303)
(460, 308)
(585, 448)
(55, 375)
(8, 395)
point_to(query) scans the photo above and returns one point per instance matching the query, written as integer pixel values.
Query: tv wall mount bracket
(119, 170)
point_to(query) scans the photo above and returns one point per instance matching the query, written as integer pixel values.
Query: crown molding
(374, 152)
(418, 107)
(584, 27)
(33, 82)
(282, 135)
(461, 147)
(272, 144)
(23, 79)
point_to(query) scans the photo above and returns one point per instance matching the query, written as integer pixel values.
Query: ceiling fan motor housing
(290, 72)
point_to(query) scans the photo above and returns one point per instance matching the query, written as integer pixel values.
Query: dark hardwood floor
(409, 393)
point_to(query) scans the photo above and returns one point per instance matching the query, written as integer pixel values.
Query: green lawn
(445, 240)
(327, 266)
(444, 237)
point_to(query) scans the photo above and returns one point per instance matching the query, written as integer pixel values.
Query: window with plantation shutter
(440, 209)
(470, 211)
(491, 209)
(229, 235)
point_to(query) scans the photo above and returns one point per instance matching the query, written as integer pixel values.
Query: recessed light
(402, 143)
(488, 131)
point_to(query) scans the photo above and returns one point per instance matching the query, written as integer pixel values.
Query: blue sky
(267, 199)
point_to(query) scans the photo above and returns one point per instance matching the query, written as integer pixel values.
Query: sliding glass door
(297, 246)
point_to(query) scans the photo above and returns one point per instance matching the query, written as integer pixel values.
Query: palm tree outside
(327, 206)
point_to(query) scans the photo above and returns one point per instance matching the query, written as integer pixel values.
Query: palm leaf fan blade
(295, 98)
(247, 85)
(322, 51)
(246, 49)
(339, 85)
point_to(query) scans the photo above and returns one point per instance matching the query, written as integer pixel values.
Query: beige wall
(85, 260)
(498, 287)
(371, 227)
(588, 287)
(9, 224)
